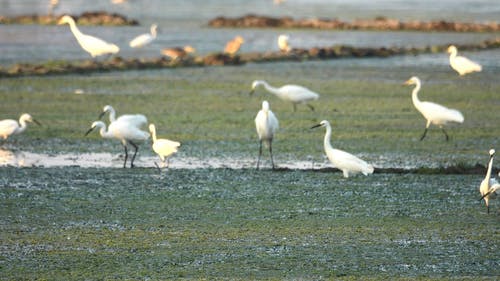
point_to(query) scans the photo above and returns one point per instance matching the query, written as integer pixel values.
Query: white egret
(163, 147)
(137, 120)
(234, 45)
(93, 45)
(460, 64)
(489, 185)
(342, 160)
(144, 39)
(283, 43)
(291, 93)
(434, 113)
(10, 127)
(123, 132)
(266, 124)
(178, 52)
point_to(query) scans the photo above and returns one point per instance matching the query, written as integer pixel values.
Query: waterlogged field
(71, 222)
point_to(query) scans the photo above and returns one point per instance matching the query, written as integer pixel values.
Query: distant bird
(283, 43)
(118, 2)
(52, 6)
(163, 147)
(489, 185)
(123, 132)
(278, 2)
(178, 52)
(434, 113)
(460, 64)
(342, 160)
(93, 45)
(137, 120)
(144, 39)
(266, 124)
(234, 45)
(291, 93)
(10, 127)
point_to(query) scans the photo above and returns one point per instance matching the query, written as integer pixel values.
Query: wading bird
(10, 127)
(123, 132)
(178, 52)
(291, 93)
(283, 43)
(137, 120)
(434, 113)
(93, 45)
(144, 39)
(489, 185)
(163, 147)
(460, 64)
(233, 46)
(342, 160)
(266, 124)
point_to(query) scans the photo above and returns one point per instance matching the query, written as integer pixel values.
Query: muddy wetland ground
(70, 212)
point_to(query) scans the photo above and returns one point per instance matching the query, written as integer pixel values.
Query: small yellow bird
(234, 45)
(163, 147)
(178, 52)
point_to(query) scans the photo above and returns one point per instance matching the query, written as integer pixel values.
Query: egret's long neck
(153, 134)
(328, 136)
(153, 32)
(414, 95)
(453, 54)
(104, 133)
(112, 115)
(271, 89)
(488, 172)
(76, 32)
(21, 128)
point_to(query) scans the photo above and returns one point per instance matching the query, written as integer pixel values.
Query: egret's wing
(96, 46)
(434, 111)
(124, 130)
(466, 64)
(137, 120)
(141, 40)
(345, 160)
(8, 126)
(298, 93)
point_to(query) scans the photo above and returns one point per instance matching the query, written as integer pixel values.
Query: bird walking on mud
(344, 161)
(163, 147)
(460, 64)
(9, 127)
(292, 93)
(266, 124)
(233, 46)
(144, 39)
(93, 45)
(434, 113)
(123, 132)
(177, 53)
(489, 186)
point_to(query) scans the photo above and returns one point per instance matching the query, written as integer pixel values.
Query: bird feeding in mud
(434, 113)
(266, 124)
(9, 127)
(344, 161)
(489, 186)
(137, 120)
(283, 44)
(93, 45)
(144, 39)
(163, 147)
(460, 64)
(291, 93)
(233, 46)
(177, 53)
(123, 132)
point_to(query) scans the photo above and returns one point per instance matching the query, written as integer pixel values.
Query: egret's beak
(101, 114)
(251, 92)
(316, 126)
(90, 130)
(486, 194)
(407, 82)
(36, 122)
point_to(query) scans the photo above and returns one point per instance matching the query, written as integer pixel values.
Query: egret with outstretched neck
(460, 64)
(163, 147)
(489, 185)
(292, 93)
(344, 161)
(144, 39)
(93, 45)
(123, 132)
(266, 124)
(9, 127)
(434, 113)
(137, 120)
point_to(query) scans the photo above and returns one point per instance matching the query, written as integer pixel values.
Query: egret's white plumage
(266, 124)
(137, 120)
(145, 38)
(93, 45)
(344, 161)
(10, 127)
(163, 147)
(291, 93)
(434, 113)
(489, 185)
(460, 64)
(283, 44)
(123, 132)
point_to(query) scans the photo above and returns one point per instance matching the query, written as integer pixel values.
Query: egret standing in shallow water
(460, 64)
(144, 39)
(266, 124)
(489, 185)
(283, 43)
(137, 120)
(93, 45)
(163, 147)
(291, 93)
(342, 160)
(10, 127)
(123, 132)
(434, 113)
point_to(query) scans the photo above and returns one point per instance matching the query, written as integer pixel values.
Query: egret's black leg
(425, 133)
(157, 166)
(126, 156)
(310, 106)
(271, 152)
(294, 107)
(447, 138)
(135, 153)
(260, 153)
